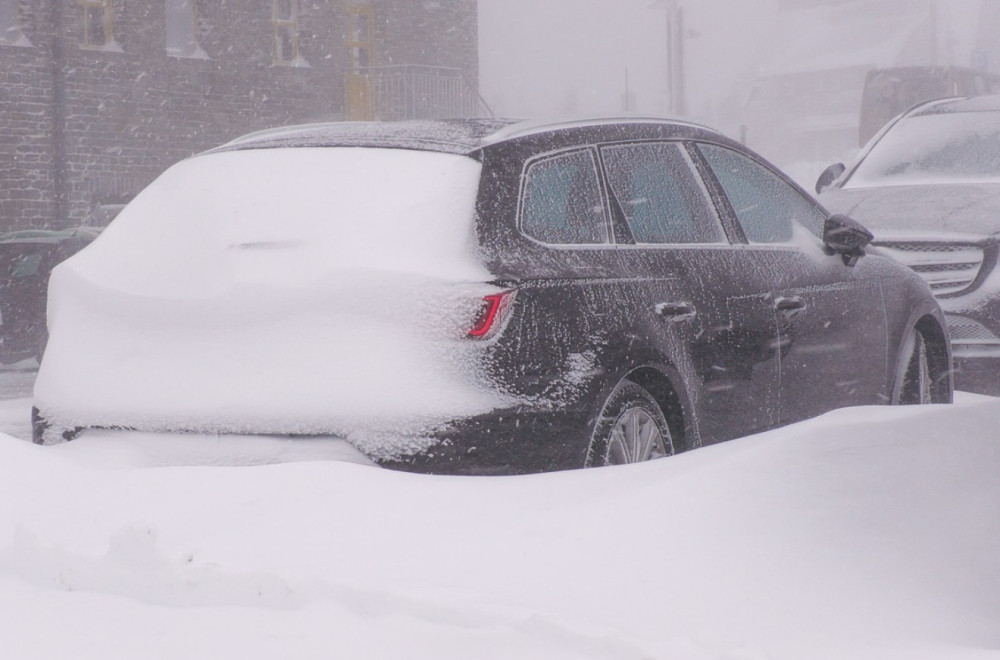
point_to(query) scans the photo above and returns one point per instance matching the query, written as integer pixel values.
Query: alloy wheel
(635, 437)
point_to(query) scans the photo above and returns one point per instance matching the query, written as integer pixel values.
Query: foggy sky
(543, 58)
(556, 57)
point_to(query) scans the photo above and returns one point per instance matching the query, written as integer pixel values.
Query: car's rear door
(830, 314)
(714, 322)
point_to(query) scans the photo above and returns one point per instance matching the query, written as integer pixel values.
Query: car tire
(630, 428)
(38, 426)
(914, 382)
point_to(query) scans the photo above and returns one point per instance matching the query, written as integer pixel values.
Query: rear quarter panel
(581, 320)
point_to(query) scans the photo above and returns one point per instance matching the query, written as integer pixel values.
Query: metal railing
(416, 91)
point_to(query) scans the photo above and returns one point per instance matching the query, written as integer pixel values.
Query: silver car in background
(928, 186)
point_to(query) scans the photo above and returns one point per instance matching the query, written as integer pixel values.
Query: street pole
(679, 73)
(671, 84)
(934, 32)
(674, 31)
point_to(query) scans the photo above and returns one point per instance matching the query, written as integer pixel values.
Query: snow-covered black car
(929, 186)
(482, 296)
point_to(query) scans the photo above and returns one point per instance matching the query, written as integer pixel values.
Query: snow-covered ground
(868, 533)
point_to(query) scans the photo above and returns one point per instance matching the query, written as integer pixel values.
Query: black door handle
(676, 311)
(791, 305)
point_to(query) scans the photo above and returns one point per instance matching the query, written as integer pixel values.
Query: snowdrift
(868, 533)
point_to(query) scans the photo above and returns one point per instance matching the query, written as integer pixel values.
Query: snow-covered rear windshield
(934, 148)
(290, 217)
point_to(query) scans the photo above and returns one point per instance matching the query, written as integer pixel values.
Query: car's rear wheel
(631, 428)
(914, 374)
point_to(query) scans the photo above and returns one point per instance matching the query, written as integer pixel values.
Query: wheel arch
(939, 354)
(672, 400)
(931, 326)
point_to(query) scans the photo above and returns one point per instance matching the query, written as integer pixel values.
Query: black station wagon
(482, 296)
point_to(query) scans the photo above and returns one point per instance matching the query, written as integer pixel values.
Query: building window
(182, 29)
(97, 31)
(360, 40)
(11, 21)
(286, 33)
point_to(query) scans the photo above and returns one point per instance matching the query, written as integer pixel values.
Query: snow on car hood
(276, 291)
(972, 208)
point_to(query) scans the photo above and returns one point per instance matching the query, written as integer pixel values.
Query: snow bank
(867, 533)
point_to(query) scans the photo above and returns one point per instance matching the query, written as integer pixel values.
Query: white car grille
(947, 268)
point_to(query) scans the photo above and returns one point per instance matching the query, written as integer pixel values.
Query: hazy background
(550, 57)
(784, 75)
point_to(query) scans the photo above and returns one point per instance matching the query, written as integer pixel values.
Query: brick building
(97, 97)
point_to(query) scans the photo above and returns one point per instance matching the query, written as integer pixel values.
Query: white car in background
(928, 186)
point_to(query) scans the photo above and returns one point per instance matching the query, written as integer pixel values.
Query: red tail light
(492, 314)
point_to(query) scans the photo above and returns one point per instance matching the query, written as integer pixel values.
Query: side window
(768, 209)
(562, 201)
(660, 195)
(27, 265)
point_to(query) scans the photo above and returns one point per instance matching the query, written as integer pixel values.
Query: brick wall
(81, 129)
(26, 193)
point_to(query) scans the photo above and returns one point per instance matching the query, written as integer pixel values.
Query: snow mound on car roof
(290, 217)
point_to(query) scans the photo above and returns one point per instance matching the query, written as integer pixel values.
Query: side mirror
(828, 176)
(847, 237)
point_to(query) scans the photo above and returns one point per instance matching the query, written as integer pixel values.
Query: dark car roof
(458, 136)
(955, 105)
(450, 135)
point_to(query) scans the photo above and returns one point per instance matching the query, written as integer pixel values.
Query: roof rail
(529, 127)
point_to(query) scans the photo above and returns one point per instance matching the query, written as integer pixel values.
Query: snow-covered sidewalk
(868, 533)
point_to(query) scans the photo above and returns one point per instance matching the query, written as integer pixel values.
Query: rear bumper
(514, 442)
(502, 443)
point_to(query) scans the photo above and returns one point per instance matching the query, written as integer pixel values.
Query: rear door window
(768, 208)
(658, 192)
(562, 203)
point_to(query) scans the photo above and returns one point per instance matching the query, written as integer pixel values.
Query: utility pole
(674, 29)
(627, 100)
(678, 62)
(935, 45)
